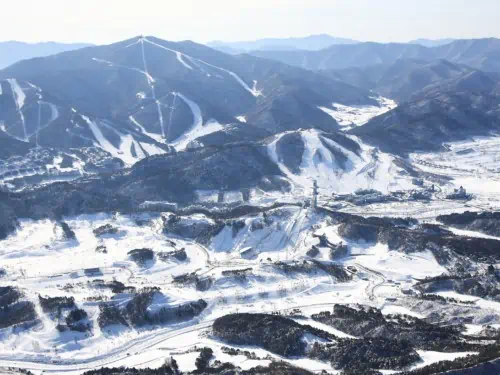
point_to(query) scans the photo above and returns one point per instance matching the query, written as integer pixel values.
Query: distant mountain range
(481, 54)
(432, 42)
(310, 43)
(12, 51)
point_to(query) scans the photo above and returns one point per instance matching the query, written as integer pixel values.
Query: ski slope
(371, 169)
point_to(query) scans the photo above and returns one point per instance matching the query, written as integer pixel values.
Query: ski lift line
(151, 82)
(133, 44)
(39, 121)
(112, 64)
(172, 109)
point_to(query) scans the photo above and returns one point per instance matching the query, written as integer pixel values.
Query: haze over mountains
(13, 51)
(477, 53)
(308, 43)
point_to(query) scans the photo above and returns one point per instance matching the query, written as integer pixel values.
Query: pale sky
(107, 21)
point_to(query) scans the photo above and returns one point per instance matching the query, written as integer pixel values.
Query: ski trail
(172, 109)
(54, 112)
(195, 109)
(255, 90)
(101, 140)
(273, 155)
(19, 95)
(150, 79)
(180, 56)
(19, 99)
(156, 137)
(198, 129)
(39, 122)
(53, 116)
(198, 66)
(151, 83)
(235, 76)
(232, 74)
(133, 44)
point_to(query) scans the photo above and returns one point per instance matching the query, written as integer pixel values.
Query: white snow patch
(180, 57)
(157, 137)
(152, 149)
(101, 139)
(19, 95)
(400, 310)
(241, 118)
(198, 129)
(358, 115)
(430, 357)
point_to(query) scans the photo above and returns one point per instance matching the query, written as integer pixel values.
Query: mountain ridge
(15, 51)
(477, 53)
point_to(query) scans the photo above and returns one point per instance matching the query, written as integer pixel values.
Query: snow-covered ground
(370, 169)
(472, 164)
(358, 115)
(39, 261)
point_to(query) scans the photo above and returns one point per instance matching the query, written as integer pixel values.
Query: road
(372, 286)
(139, 345)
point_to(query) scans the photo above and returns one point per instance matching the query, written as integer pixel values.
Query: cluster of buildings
(459, 194)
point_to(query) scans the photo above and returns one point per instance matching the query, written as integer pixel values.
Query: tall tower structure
(315, 194)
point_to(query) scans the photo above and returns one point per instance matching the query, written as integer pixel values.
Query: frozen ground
(39, 261)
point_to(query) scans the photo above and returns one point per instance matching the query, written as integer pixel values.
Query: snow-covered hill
(290, 258)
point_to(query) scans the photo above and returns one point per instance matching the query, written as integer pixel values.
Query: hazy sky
(106, 21)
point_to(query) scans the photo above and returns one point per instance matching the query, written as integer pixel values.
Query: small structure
(407, 291)
(220, 196)
(459, 194)
(92, 272)
(418, 181)
(247, 253)
(421, 195)
(158, 206)
(246, 195)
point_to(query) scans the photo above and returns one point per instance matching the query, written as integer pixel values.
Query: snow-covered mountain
(132, 95)
(448, 110)
(399, 80)
(166, 208)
